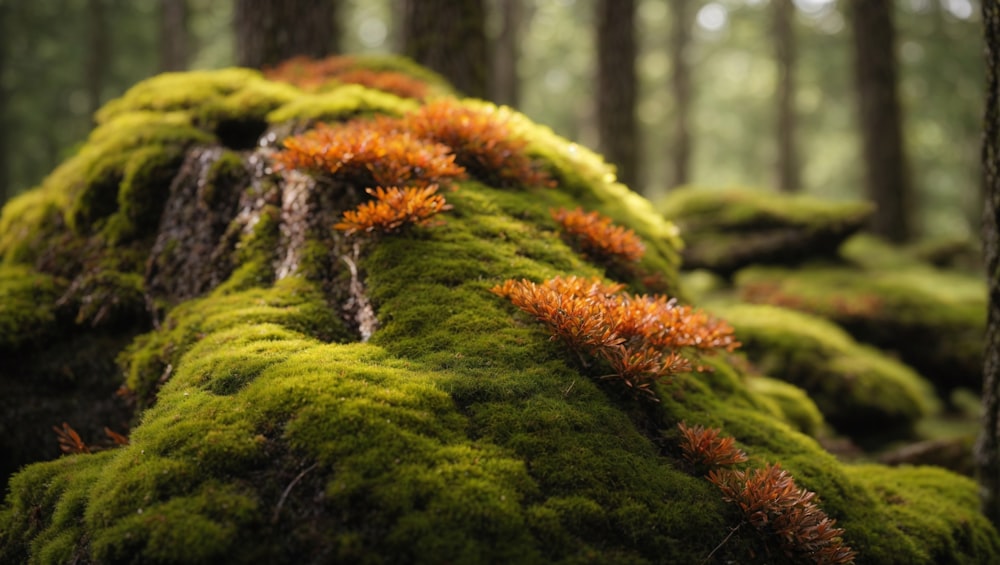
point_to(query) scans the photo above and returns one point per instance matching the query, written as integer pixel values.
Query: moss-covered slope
(727, 229)
(459, 432)
(934, 320)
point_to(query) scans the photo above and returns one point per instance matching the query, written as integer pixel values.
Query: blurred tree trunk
(5, 176)
(449, 36)
(175, 37)
(784, 42)
(98, 53)
(270, 31)
(617, 86)
(886, 175)
(987, 448)
(506, 53)
(680, 84)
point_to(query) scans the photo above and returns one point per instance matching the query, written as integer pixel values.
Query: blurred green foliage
(734, 84)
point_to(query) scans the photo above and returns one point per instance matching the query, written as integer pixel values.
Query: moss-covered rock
(860, 391)
(933, 320)
(279, 424)
(725, 230)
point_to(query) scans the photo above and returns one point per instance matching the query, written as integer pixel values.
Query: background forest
(710, 69)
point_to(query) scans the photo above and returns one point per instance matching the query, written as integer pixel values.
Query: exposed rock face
(307, 396)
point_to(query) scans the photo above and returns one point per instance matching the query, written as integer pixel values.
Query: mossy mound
(858, 389)
(725, 230)
(459, 432)
(934, 320)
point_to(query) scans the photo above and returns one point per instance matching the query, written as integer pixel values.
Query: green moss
(935, 320)
(857, 389)
(209, 97)
(791, 403)
(940, 505)
(729, 229)
(27, 306)
(459, 433)
(341, 103)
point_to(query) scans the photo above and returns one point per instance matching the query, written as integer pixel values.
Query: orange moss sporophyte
(311, 74)
(481, 139)
(784, 514)
(705, 447)
(370, 153)
(644, 339)
(393, 208)
(596, 236)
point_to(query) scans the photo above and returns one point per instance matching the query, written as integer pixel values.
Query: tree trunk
(680, 84)
(987, 450)
(98, 54)
(175, 37)
(270, 31)
(5, 126)
(506, 53)
(449, 36)
(784, 42)
(886, 176)
(617, 86)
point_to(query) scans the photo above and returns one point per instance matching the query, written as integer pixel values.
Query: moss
(459, 433)
(726, 230)
(209, 97)
(936, 503)
(791, 402)
(341, 103)
(28, 310)
(935, 320)
(857, 389)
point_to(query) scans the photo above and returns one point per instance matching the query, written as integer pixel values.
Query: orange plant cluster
(784, 514)
(70, 441)
(309, 74)
(370, 153)
(641, 337)
(481, 140)
(703, 447)
(393, 208)
(397, 161)
(595, 236)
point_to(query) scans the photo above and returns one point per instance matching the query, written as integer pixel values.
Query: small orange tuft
(594, 235)
(392, 209)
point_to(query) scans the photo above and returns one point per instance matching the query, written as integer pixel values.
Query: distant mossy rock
(934, 320)
(859, 391)
(270, 431)
(727, 229)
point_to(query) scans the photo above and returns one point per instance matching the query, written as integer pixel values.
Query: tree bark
(617, 86)
(5, 127)
(98, 53)
(987, 451)
(270, 31)
(506, 53)
(175, 37)
(449, 36)
(680, 85)
(784, 42)
(886, 175)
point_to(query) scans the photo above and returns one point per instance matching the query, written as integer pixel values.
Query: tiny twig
(569, 388)
(288, 489)
(722, 543)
